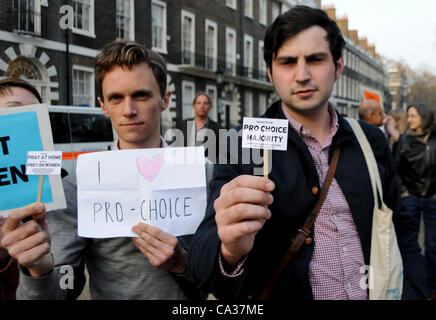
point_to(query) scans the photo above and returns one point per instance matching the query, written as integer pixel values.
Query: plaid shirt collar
(305, 132)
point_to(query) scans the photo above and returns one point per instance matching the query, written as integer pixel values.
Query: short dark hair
(7, 83)
(123, 53)
(427, 116)
(295, 20)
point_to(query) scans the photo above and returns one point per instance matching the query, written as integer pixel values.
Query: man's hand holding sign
(242, 207)
(241, 211)
(161, 249)
(29, 242)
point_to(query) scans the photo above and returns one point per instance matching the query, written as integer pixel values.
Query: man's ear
(165, 101)
(270, 75)
(339, 67)
(103, 107)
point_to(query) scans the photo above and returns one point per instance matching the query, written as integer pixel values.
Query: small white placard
(44, 163)
(265, 133)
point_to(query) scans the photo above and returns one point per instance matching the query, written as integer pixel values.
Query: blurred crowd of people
(412, 137)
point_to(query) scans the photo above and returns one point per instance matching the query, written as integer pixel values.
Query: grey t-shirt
(117, 269)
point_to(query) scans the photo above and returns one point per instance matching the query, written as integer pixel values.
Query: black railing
(252, 73)
(211, 64)
(363, 79)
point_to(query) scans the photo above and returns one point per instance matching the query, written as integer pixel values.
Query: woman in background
(416, 163)
(396, 125)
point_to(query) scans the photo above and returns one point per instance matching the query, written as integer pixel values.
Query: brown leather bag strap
(304, 232)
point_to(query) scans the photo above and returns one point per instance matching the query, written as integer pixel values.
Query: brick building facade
(210, 45)
(55, 51)
(365, 75)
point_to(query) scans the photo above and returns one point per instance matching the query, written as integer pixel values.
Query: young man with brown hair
(251, 221)
(132, 84)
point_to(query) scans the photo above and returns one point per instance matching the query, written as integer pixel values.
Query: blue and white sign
(24, 129)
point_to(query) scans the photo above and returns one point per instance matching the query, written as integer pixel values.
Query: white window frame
(248, 103)
(187, 112)
(231, 4)
(344, 88)
(356, 89)
(92, 82)
(263, 12)
(262, 106)
(231, 31)
(262, 65)
(210, 23)
(131, 21)
(274, 14)
(335, 89)
(37, 4)
(339, 86)
(346, 58)
(354, 62)
(91, 31)
(248, 8)
(162, 4)
(190, 15)
(353, 89)
(37, 16)
(213, 112)
(248, 56)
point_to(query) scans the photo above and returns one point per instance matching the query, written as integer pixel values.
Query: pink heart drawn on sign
(149, 169)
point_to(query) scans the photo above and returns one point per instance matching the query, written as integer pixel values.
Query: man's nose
(129, 108)
(303, 74)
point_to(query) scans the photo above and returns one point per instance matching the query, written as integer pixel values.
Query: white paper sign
(265, 133)
(163, 187)
(44, 162)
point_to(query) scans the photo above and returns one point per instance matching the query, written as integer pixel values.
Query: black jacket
(294, 175)
(416, 164)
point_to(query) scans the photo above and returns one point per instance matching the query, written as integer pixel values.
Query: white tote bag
(386, 265)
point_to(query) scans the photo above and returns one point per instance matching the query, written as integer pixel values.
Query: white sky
(400, 29)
